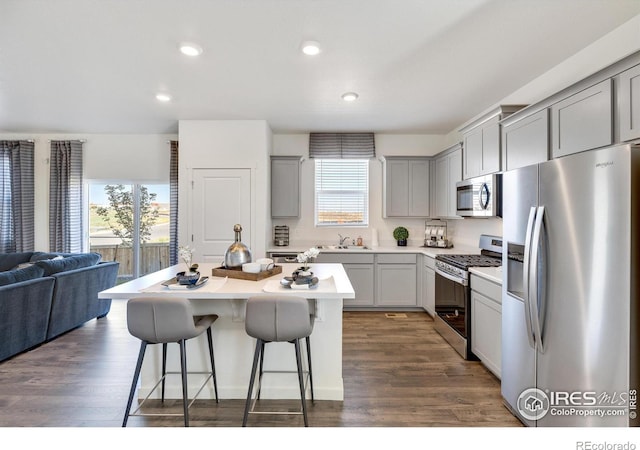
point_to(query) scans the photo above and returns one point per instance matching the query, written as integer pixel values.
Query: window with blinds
(342, 192)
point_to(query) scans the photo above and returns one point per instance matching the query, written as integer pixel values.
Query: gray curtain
(16, 196)
(173, 204)
(65, 197)
(342, 145)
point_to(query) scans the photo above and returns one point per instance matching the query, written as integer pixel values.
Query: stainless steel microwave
(479, 197)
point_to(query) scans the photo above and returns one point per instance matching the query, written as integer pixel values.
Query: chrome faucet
(342, 239)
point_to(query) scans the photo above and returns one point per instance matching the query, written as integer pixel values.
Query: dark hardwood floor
(398, 372)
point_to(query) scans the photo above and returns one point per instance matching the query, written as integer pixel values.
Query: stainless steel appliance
(570, 341)
(479, 197)
(453, 292)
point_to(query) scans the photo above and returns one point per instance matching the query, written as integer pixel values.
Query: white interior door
(221, 198)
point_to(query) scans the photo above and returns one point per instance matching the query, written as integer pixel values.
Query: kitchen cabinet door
(396, 188)
(526, 141)
(419, 188)
(448, 173)
(361, 278)
(486, 322)
(628, 104)
(285, 186)
(359, 268)
(406, 187)
(442, 186)
(455, 175)
(486, 335)
(583, 121)
(396, 285)
(491, 147)
(472, 160)
(481, 151)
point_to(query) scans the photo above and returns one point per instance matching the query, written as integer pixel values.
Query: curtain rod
(77, 140)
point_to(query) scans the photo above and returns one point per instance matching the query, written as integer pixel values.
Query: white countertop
(490, 273)
(234, 288)
(429, 251)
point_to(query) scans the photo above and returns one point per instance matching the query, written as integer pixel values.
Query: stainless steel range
(453, 292)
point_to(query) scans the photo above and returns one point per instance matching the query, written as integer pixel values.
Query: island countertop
(233, 288)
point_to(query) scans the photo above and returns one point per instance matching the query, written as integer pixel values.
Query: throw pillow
(53, 266)
(18, 275)
(10, 260)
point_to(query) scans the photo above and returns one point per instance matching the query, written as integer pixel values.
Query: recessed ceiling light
(190, 49)
(310, 48)
(161, 97)
(349, 96)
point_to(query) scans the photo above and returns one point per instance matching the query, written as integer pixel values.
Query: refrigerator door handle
(525, 273)
(534, 290)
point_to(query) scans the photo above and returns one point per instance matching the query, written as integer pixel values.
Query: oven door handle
(453, 278)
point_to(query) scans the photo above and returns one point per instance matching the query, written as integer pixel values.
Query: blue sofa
(43, 295)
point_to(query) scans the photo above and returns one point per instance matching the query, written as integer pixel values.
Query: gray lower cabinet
(380, 279)
(583, 121)
(429, 286)
(526, 141)
(486, 323)
(285, 186)
(359, 269)
(628, 104)
(396, 280)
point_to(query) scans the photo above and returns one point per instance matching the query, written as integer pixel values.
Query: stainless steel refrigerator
(571, 252)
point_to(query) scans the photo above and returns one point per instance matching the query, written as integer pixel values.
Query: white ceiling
(419, 66)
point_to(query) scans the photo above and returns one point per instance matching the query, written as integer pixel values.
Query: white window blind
(342, 192)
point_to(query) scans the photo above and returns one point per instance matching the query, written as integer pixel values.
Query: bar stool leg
(213, 364)
(301, 381)
(256, 357)
(136, 374)
(310, 371)
(262, 347)
(183, 369)
(164, 367)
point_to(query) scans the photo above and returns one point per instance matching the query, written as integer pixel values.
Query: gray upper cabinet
(481, 138)
(526, 141)
(406, 187)
(583, 121)
(448, 173)
(628, 104)
(285, 186)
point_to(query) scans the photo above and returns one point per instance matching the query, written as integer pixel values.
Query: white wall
(229, 144)
(612, 47)
(107, 157)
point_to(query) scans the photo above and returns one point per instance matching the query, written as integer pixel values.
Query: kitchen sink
(342, 247)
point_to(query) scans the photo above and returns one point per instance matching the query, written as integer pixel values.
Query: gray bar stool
(278, 319)
(161, 321)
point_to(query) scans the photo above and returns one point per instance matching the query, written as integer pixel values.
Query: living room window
(129, 223)
(341, 192)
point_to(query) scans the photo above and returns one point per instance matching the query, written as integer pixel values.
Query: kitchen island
(233, 347)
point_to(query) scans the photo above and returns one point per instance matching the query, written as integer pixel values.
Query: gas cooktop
(465, 261)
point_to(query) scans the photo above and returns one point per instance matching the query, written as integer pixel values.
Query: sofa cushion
(40, 256)
(18, 275)
(78, 261)
(9, 260)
